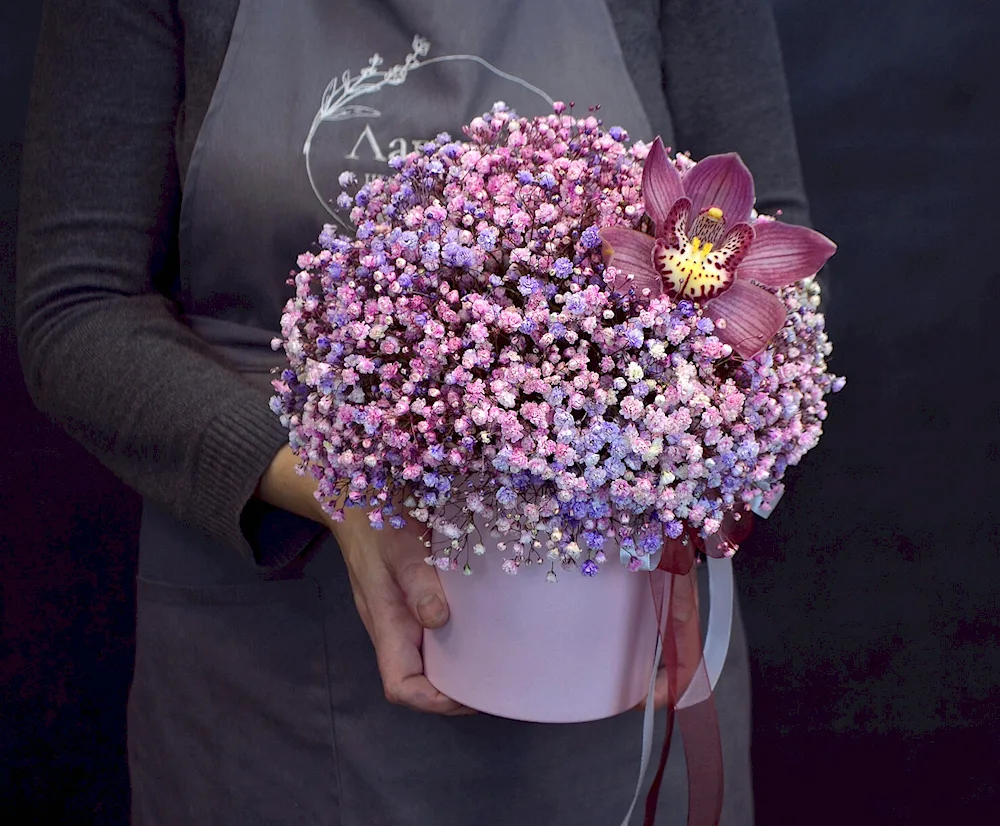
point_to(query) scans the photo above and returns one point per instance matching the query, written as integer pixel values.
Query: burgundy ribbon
(676, 597)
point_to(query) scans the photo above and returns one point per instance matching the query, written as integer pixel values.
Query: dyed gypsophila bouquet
(548, 340)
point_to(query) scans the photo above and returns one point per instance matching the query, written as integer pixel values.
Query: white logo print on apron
(340, 105)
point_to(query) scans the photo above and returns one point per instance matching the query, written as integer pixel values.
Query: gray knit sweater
(120, 90)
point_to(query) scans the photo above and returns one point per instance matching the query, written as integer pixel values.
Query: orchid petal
(721, 181)
(631, 252)
(784, 253)
(752, 317)
(661, 184)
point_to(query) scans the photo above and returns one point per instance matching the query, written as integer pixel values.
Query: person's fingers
(379, 566)
(418, 694)
(401, 667)
(417, 580)
(397, 637)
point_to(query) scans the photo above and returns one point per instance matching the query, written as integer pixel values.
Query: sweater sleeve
(101, 346)
(725, 85)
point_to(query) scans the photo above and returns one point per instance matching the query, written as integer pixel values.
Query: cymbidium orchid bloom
(707, 249)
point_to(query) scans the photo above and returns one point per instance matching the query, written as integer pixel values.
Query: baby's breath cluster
(464, 361)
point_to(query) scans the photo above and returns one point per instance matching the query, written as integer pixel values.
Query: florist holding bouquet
(180, 155)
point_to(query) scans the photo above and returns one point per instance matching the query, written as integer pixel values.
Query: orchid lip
(701, 264)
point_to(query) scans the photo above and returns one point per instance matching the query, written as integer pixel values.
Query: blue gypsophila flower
(487, 239)
(452, 254)
(685, 308)
(615, 468)
(591, 238)
(328, 237)
(651, 542)
(731, 484)
(598, 510)
(506, 497)
(634, 337)
(430, 252)
(563, 266)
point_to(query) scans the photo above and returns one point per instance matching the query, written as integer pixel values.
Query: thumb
(417, 580)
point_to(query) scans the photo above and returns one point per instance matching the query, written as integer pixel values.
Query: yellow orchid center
(699, 267)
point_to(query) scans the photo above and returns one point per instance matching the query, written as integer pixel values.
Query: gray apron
(256, 697)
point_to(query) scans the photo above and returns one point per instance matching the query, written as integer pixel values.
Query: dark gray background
(871, 594)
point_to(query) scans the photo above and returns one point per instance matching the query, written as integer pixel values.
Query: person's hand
(684, 608)
(397, 594)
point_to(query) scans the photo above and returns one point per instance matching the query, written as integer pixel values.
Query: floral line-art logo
(339, 99)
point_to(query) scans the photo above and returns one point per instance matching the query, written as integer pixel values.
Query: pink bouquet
(546, 336)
